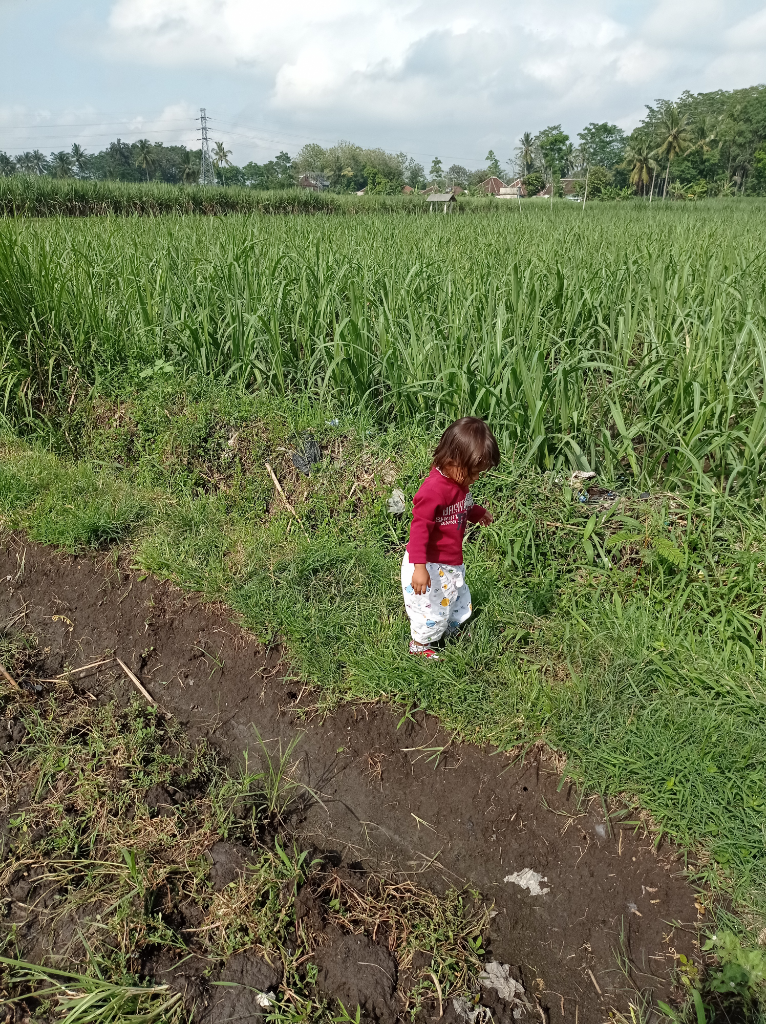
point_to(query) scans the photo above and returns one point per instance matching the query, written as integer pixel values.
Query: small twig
(366, 963)
(9, 677)
(290, 508)
(13, 621)
(138, 685)
(74, 671)
(540, 1010)
(595, 983)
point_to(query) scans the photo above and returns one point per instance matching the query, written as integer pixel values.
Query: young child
(436, 596)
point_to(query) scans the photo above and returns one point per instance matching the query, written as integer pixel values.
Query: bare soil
(386, 804)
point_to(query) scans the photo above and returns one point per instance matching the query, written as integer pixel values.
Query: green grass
(637, 650)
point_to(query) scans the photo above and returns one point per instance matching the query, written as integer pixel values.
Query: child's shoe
(424, 650)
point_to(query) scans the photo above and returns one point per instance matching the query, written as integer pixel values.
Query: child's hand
(421, 581)
(486, 519)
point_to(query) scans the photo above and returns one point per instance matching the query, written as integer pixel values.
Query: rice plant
(629, 340)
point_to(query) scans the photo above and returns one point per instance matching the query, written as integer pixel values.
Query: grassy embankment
(150, 369)
(48, 197)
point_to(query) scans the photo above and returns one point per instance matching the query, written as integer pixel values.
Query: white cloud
(342, 54)
(173, 123)
(427, 75)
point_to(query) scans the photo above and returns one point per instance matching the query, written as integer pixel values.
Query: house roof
(568, 187)
(492, 185)
(441, 197)
(315, 181)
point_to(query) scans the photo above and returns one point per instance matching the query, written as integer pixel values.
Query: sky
(431, 79)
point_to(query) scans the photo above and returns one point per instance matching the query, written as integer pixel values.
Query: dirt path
(385, 801)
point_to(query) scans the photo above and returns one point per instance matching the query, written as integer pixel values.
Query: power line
(302, 138)
(260, 135)
(93, 124)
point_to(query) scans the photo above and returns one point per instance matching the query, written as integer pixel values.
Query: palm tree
(61, 164)
(705, 133)
(25, 163)
(145, 156)
(674, 130)
(189, 168)
(7, 165)
(526, 153)
(79, 157)
(38, 162)
(639, 159)
(221, 156)
(580, 161)
(570, 159)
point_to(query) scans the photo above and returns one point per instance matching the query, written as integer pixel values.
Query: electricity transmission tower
(207, 171)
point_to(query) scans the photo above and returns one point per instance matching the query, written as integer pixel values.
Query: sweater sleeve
(423, 521)
(476, 513)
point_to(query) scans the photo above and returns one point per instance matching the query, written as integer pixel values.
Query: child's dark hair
(469, 445)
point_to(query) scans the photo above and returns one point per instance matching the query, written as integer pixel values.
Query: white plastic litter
(578, 478)
(396, 503)
(528, 879)
(264, 1000)
(468, 1014)
(498, 976)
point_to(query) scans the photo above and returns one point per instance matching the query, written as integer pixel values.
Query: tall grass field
(149, 367)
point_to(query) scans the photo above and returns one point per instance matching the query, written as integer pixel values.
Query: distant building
(441, 197)
(512, 191)
(568, 185)
(315, 182)
(407, 189)
(492, 186)
(456, 190)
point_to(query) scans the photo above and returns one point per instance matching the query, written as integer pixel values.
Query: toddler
(436, 596)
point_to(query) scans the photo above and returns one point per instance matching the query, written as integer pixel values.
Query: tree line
(710, 143)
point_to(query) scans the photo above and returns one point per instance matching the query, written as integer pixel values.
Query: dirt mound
(358, 972)
(391, 799)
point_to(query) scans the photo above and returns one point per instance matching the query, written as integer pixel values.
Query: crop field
(157, 374)
(35, 196)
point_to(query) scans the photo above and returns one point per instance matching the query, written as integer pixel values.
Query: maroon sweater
(442, 509)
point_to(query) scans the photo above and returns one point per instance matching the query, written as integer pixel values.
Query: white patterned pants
(445, 605)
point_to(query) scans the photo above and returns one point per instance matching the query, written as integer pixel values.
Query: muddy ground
(385, 804)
